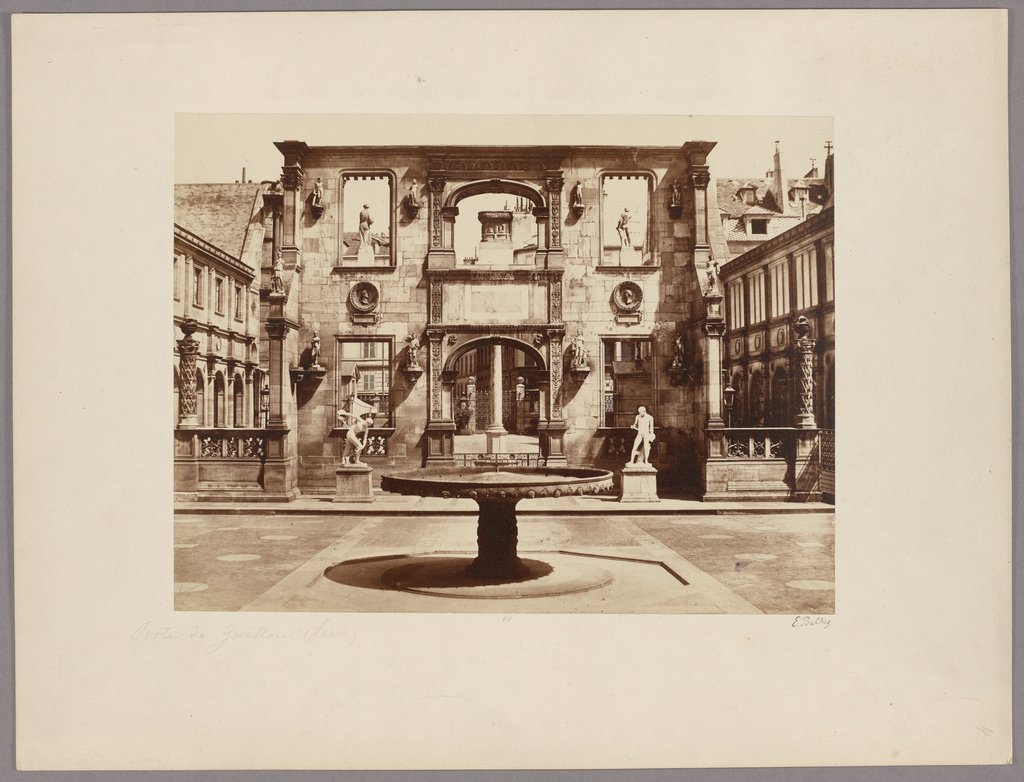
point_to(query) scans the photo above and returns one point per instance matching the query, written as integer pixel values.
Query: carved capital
(291, 177)
(277, 329)
(436, 183)
(700, 176)
(714, 328)
(553, 183)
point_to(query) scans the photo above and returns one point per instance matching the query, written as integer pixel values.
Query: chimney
(243, 175)
(813, 173)
(779, 184)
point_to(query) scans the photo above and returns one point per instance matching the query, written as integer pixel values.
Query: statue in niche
(623, 228)
(644, 426)
(520, 389)
(679, 351)
(360, 425)
(277, 277)
(576, 197)
(579, 352)
(314, 349)
(677, 194)
(413, 197)
(414, 349)
(318, 192)
(712, 281)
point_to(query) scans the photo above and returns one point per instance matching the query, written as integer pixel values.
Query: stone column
(496, 431)
(440, 249)
(714, 329)
(552, 431)
(439, 441)
(553, 183)
(188, 349)
(277, 330)
(803, 347)
(700, 178)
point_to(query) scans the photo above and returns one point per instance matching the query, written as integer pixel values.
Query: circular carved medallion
(627, 296)
(780, 337)
(364, 297)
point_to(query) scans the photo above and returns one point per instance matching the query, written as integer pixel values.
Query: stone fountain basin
(511, 483)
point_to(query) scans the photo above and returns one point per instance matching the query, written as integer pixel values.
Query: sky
(216, 147)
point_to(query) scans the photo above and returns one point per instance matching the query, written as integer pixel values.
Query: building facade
(524, 300)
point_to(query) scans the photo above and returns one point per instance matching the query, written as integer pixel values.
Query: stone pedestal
(639, 483)
(355, 483)
(496, 439)
(629, 256)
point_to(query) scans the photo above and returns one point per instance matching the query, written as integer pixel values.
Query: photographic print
(518, 377)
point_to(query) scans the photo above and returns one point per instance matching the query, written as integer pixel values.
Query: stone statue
(318, 192)
(413, 197)
(365, 221)
(520, 389)
(712, 282)
(678, 355)
(677, 194)
(314, 349)
(360, 425)
(277, 278)
(644, 425)
(623, 228)
(414, 349)
(579, 352)
(576, 197)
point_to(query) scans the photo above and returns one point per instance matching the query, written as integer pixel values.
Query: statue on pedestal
(712, 281)
(413, 197)
(314, 349)
(677, 194)
(318, 192)
(414, 349)
(360, 425)
(579, 352)
(679, 351)
(576, 196)
(277, 277)
(644, 426)
(623, 228)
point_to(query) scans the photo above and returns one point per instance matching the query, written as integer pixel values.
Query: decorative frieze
(435, 378)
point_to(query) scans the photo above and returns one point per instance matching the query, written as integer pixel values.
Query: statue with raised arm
(359, 425)
(644, 426)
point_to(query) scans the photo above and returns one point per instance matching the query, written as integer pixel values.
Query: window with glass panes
(364, 373)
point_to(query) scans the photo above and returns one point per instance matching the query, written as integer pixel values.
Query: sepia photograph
(527, 378)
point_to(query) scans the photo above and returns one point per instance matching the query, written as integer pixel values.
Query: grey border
(841, 774)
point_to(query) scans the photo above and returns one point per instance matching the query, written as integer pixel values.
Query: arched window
(756, 396)
(219, 408)
(238, 403)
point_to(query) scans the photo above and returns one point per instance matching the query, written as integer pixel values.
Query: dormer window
(747, 195)
(759, 227)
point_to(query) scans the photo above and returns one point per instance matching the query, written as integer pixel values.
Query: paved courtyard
(597, 556)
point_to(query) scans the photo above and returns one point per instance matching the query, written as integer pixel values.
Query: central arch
(491, 383)
(510, 186)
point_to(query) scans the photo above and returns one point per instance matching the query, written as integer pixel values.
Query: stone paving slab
(732, 564)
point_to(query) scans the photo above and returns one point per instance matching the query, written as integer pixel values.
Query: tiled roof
(729, 203)
(220, 214)
(776, 224)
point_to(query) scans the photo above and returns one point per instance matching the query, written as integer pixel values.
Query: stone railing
(497, 460)
(757, 443)
(827, 449)
(228, 443)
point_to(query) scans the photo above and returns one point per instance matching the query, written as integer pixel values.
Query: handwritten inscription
(812, 621)
(214, 639)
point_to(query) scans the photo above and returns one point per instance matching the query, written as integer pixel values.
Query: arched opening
(780, 408)
(219, 402)
(495, 224)
(238, 402)
(200, 398)
(755, 404)
(495, 386)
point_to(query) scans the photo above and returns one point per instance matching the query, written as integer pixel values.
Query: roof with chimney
(219, 213)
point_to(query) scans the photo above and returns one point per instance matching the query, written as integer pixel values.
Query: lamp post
(728, 398)
(265, 403)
